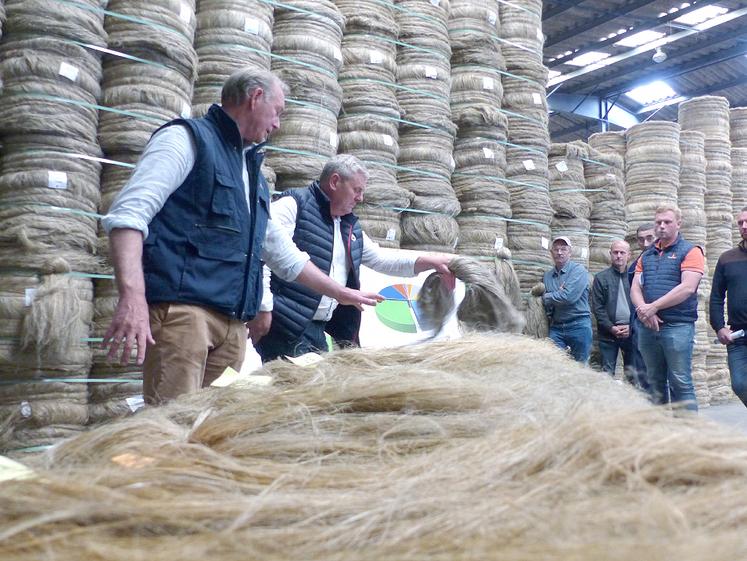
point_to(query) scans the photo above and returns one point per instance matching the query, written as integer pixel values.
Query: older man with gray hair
(321, 220)
(188, 234)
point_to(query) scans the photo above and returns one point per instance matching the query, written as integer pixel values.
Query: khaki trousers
(194, 345)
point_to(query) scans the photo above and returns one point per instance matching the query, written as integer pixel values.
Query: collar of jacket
(564, 270)
(230, 130)
(325, 204)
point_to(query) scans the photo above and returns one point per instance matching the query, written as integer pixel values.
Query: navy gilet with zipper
(294, 305)
(204, 246)
(661, 273)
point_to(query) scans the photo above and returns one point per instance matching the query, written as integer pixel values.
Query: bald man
(610, 296)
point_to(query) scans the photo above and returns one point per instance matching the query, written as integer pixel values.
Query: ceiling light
(702, 14)
(659, 56)
(588, 58)
(652, 92)
(640, 38)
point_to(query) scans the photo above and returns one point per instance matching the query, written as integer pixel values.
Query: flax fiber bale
(700, 348)
(738, 127)
(652, 170)
(474, 28)
(342, 460)
(230, 35)
(738, 186)
(691, 194)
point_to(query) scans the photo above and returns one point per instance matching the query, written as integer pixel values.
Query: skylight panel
(702, 14)
(640, 38)
(552, 74)
(651, 93)
(588, 58)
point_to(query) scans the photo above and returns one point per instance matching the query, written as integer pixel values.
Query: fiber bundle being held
(231, 34)
(306, 42)
(652, 170)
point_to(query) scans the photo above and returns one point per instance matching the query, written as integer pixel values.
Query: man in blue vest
(188, 234)
(730, 277)
(665, 296)
(320, 218)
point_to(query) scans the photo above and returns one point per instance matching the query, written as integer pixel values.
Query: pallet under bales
(489, 447)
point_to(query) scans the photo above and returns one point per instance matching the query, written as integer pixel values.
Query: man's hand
(646, 311)
(724, 335)
(131, 327)
(439, 262)
(352, 297)
(259, 326)
(621, 331)
(653, 322)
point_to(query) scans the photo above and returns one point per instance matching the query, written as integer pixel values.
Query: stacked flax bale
(479, 149)
(652, 170)
(738, 134)
(570, 205)
(48, 200)
(231, 34)
(691, 200)
(605, 188)
(141, 94)
(368, 122)
(454, 450)
(306, 42)
(710, 115)
(525, 106)
(426, 140)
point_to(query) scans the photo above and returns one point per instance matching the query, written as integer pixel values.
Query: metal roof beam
(596, 22)
(650, 24)
(559, 8)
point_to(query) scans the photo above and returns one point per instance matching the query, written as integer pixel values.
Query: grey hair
(239, 85)
(345, 165)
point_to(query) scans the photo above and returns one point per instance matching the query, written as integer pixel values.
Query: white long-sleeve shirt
(383, 260)
(164, 165)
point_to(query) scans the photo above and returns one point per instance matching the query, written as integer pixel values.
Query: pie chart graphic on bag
(400, 309)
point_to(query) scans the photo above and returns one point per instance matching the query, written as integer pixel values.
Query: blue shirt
(566, 295)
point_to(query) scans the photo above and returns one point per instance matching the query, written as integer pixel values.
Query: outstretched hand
(130, 328)
(352, 297)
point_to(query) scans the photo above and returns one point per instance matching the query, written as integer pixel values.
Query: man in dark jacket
(321, 220)
(610, 296)
(730, 277)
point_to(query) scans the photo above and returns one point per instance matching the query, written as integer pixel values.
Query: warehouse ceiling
(603, 68)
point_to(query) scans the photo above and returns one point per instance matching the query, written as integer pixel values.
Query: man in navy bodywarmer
(321, 220)
(188, 235)
(665, 296)
(730, 277)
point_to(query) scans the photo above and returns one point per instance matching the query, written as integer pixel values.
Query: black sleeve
(599, 305)
(716, 302)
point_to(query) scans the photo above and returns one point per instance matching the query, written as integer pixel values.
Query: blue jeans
(312, 340)
(738, 368)
(609, 351)
(576, 335)
(668, 356)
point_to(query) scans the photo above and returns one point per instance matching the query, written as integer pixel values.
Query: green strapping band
(397, 86)
(525, 262)
(116, 53)
(395, 119)
(93, 106)
(32, 449)
(504, 219)
(596, 162)
(89, 275)
(578, 190)
(522, 147)
(69, 381)
(525, 117)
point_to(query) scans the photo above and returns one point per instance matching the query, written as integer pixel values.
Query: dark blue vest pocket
(223, 212)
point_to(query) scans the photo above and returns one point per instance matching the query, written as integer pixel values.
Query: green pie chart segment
(399, 310)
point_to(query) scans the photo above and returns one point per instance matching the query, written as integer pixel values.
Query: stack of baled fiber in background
(738, 134)
(525, 107)
(48, 201)
(570, 205)
(147, 81)
(306, 42)
(479, 149)
(691, 200)
(710, 115)
(426, 138)
(369, 120)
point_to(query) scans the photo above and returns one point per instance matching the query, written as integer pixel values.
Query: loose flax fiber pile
(489, 447)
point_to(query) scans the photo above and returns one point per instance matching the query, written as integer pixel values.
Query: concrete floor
(733, 414)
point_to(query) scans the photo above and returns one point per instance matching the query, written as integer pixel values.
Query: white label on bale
(251, 25)
(391, 235)
(186, 111)
(25, 409)
(135, 402)
(584, 253)
(488, 153)
(337, 53)
(333, 139)
(529, 165)
(492, 17)
(610, 177)
(431, 72)
(377, 57)
(68, 71)
(28, 296)
(57, 180)
(452, 163)
(487, 83)
(562, 166)
(498, 243)
(185, 13)
(545, 242)
(436, 2)
(537, 98)
(388, 140)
